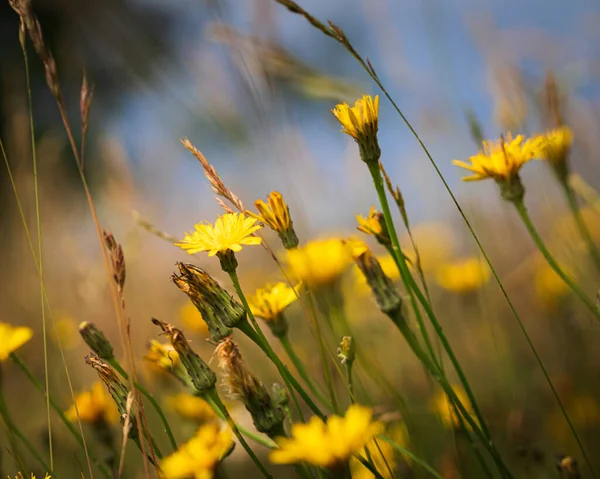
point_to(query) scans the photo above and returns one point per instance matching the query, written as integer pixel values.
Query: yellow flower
(445, 409)
(550, 288)
(436, 243)
(270, 301)
(191, 407)
(328, 444)
(230, 232)
(276, 215)
(163, 356)
(94, 406)
(200, 456)
(383, 455)
(361, 120)
(12, 338)
(462, 276)
(374, 225)
(320, 262)
(554, 145)
(192, 319)
(500, 160)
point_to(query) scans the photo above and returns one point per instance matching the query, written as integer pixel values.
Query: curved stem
(163, 419)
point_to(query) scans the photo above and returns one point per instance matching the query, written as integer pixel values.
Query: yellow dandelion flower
(12, 338)
(319, 262)
(163, 356)
(276, 215)
(462, 276)
(328, 444)
(192, 319)
(374, 225)
(270, 301)
(445, 409)
(94, 406)
(361, 120)
(191, 407)
(554, 145)
(200, 456)
(230, 232)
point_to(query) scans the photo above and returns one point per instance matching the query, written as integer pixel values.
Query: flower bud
(346, 351)
(96, 340)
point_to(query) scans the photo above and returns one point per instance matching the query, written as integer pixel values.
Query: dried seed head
(218, 309)
(202, 377)
(85, 103)
(96, 340)
(240, 384)
(117, 259)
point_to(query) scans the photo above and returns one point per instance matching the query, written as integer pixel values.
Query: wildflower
(501, 161)
(269, 303)
(374, 225)
(242, 385)
(200, 456)
(319, 262)
(347, 352)
(229, 233)
(96, 340)
(328, 444)
(554, 146)
(448, 413)
(12, 338)
(191, 407)
(389, 267)
(202, 377)
(567, 467)
(276, 215)
(94, 406)
(462, 276)
(216, 306)
(361, 123)
(192, 319)
(162, 358)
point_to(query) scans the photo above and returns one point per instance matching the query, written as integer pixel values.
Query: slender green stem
(522, 210)
(349, 381)
(291, 353)
(215, 401)
(259, 439)
(151, 399)
(369, 465)
(581, 226)
(259, 338)
(40, 387)
(411, 456)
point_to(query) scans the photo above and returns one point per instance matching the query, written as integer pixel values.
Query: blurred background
(252, 86)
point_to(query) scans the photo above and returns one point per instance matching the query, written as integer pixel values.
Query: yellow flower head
(163, 356)
(270, 301)
(200, 456)
(12, 338)
(374, 225)
(328, 444)
(383, 455)
(361, 120)
(462, 276)
(500, 160)
(276, 215)
(192, 319)
(94, 406)
(554, 145)
(191, 407)
(320, 262)
(445, 409)
(230, 232)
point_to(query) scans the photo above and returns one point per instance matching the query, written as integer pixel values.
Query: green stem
(259, 338)
(580, 222)
(349, 381)
(38, 385)
(410, 455)
(291, 353)
(214, 400)
(163, 419)
(522, 210)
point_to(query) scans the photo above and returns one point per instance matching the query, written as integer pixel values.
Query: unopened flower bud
(202, 377)
(346, 351)
(228, 260)
(96, 340)
(280, 395)
(276, 215)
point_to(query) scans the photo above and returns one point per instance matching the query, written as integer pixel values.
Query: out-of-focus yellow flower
(436, 243)
(500, 160)
(191, 407)
(444, 408)
(361, 120)
(462, 276)
(319, 262)
(328, 444)
(374, 225)
(192, 319)
(230, 232)
(276, 215)
(66, 331)
(549, 286)
(200, 456)
(162, 356)
(583, 411)
(383, 454)
(270, 301)
(554, 145)
(94, 406)
(565, 229)
(12, 338)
